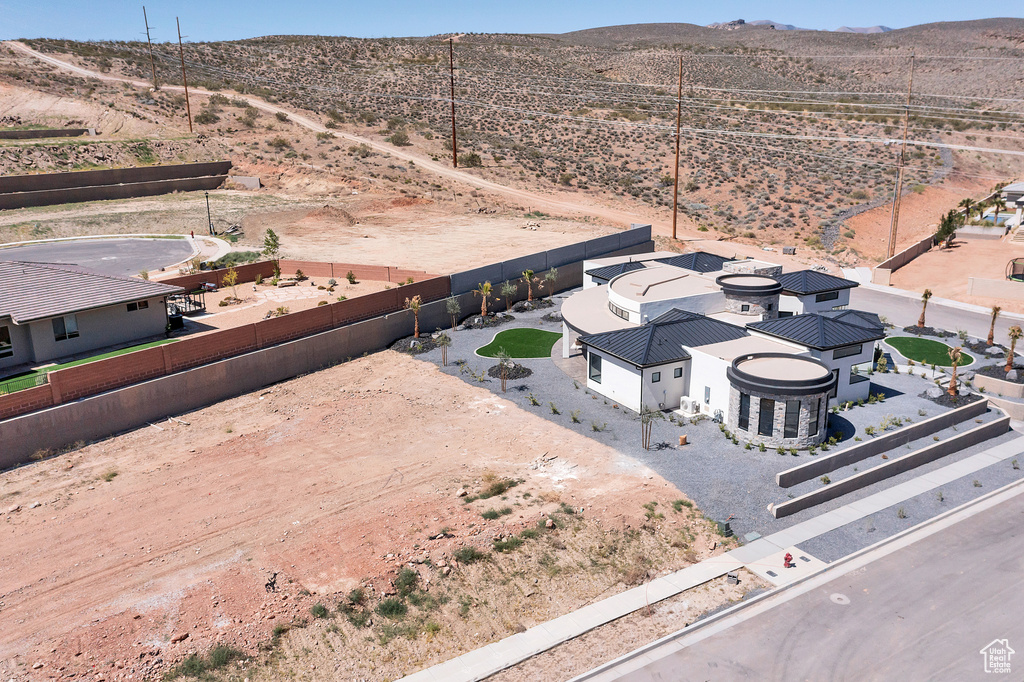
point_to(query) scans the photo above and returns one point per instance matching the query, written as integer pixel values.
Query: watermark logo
(997, 657)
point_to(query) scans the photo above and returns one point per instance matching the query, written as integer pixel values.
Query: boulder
(934, 392)
(1011, 375)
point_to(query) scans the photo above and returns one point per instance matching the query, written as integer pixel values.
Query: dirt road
(562, 205)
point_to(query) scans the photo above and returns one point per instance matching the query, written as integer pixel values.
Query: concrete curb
(725, 619)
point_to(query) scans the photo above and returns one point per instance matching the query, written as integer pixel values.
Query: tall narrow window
(766, 417)
(6, 347)
(812, 424)
(595, 367)
(744, 421)
(792, 419)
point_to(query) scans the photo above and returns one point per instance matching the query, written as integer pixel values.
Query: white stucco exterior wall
(798, 305)
(620, 381)
(665, 394)
(708, 379)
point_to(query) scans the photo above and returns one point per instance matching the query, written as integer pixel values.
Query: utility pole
(152, 64)
(209, 220)
(895, 219)
(451, 74)
(679, 116)
(184, 78)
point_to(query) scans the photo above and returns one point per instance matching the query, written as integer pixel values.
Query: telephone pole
(152, 64)
(184, 78)
(895, 219)
(679, 116)
(451, 74)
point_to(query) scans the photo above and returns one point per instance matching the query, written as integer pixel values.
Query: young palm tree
(444, 341)
(549, 279)
(504, 360)
(968, 205)
(414, 304)
(924, 304)
(484, 291)
(992, 327)
(508, 292)
(1015, 332)
(529, 278)
(955, 354)
(452, 307)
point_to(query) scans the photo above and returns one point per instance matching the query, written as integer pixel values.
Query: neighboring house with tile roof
(50, 310)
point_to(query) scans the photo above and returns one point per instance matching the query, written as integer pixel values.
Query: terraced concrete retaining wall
(879, 444)
(894, 467)
(40, 133)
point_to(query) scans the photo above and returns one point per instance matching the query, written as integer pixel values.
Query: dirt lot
(118, 551)
(945, 271)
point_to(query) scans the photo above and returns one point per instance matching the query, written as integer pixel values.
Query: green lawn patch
(521, 343)
(926, 351)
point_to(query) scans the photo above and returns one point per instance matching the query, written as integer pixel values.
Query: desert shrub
(469, 555)
(206, 117)
(392, 608)
(399, 138)
(319, 611)
(470, 160)
(406, 581)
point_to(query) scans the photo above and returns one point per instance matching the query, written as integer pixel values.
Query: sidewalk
(490, 659)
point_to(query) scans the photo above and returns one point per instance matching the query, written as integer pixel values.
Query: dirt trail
(557, 203)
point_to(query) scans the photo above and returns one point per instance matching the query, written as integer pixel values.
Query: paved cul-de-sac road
(126, 257)
(922, 612)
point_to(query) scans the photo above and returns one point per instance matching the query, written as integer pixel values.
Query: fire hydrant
(787, 561)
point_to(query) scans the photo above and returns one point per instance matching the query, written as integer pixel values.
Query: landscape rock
(461, 492)
(1011, 375)
(934, 392)
(180, 637)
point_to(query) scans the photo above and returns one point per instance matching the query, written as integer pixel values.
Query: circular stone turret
(778, 399)
(753, 295)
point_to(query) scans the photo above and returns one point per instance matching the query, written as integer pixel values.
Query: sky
(232, 19)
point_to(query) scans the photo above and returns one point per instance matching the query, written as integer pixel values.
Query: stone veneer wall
(734, 302)
(753, 268)
(802, 441)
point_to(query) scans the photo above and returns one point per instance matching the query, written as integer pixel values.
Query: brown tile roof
(36, 291)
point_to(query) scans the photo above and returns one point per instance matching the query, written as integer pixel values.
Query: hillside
(783, 131)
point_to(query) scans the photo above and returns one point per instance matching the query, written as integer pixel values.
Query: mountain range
(737, 23)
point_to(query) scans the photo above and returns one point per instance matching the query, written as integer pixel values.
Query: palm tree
(968, 205)
(504, 360)
(955, 355)
(924, 304)
(1015, 332)
(414, 304)
(452, 307)
(444, 341)
(508, 292)
(484, 290)
(528, 276)
(550, 278)
(992, 327)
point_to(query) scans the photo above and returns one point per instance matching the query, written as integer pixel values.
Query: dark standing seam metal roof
(37, 291)
(608, 271)
(816, 331)
(662, 340)
(860, 318)
(804, 282)
(698, 261)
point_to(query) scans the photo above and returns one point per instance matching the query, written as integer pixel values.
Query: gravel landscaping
(727, 481)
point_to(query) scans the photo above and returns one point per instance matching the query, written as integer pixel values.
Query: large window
(847, 351)
(6, 347)
(792, 419)
(595, 367)
(744, 421)
(65, 327)
(812, 424)
(766, 417)
(827, 296)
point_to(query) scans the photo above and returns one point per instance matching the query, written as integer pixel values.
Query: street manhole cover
(840, 599)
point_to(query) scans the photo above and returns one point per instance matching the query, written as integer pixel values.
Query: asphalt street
(111, 256)
(902, 311)
(923, 612)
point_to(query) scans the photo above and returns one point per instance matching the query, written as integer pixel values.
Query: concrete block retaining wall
(1000, 387)
(978, 434)
(196, 372)
(878, 445)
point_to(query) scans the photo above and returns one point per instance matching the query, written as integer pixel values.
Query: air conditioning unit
(689, 406)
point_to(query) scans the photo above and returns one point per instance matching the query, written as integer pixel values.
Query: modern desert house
(737, 340)
(50, 311)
